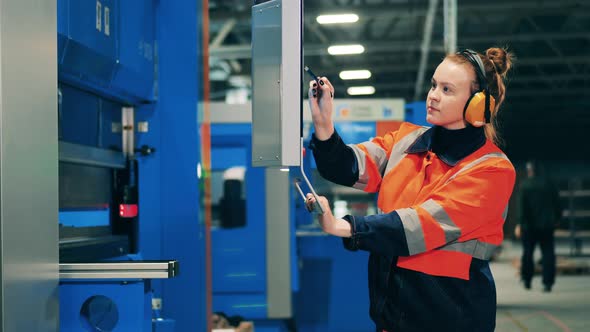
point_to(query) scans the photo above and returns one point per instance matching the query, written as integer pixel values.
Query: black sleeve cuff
(381, 234)
(351, 243)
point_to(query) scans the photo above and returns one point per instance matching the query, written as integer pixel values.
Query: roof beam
(550, 42)
(335, 68)
(222, 34)
(315, 29)
(533, 7)
(243, 51)
(520, 92)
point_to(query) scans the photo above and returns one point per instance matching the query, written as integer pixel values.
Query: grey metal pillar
(425, 48)
(450, 23)
(278, 244)
(28, 168)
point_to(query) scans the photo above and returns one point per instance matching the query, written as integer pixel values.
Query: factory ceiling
(547, 112)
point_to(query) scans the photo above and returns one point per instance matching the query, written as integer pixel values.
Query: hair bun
(501, 58)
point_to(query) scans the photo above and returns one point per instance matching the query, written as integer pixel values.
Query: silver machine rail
(317, 207)
(119, 270)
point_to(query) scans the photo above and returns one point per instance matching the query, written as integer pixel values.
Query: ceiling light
(355, 74)
(360, 90)
(346, 49)
(335, 19)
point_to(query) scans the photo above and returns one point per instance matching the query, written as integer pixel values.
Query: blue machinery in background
(128, 86)
(416, 113)
(254, 269)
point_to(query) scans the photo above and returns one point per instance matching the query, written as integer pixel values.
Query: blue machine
(239, 270)
(243, 250)
(134, 200)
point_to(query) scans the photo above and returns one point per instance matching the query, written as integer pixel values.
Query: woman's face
(450, 89)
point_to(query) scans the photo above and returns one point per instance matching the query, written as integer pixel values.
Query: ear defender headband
(478, 106)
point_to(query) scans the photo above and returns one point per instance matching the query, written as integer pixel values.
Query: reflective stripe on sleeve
(362, 165)
(413, 230)
(452, 232)
(376, 153)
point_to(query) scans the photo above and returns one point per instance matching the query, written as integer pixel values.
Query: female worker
(443, 195)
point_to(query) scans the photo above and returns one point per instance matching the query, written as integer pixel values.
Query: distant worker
(539, 212)
(443, 193)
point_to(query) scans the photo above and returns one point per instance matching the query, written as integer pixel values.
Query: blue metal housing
(86, 118)
(108, 47)
(171, 225)
(333, 295)
(101, 71)
(131, 310)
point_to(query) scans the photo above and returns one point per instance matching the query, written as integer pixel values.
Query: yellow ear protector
(478, 106)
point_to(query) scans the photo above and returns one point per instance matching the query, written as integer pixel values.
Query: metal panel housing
(276, 83)
(28, 167)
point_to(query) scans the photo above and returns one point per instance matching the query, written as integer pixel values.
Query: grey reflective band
(477, 162)
(413, 230)
(474, 248)
(452, 232)
(398, 152)
(362, 165)
(376, 153)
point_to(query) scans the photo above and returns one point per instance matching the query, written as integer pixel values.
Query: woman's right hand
(322, 107)
(329, 223)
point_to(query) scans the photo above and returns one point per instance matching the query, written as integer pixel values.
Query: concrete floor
(566, 308)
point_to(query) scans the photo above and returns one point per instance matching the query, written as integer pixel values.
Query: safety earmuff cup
(479, 105)
(475, 109)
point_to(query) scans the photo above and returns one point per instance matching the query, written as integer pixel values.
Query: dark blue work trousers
(545, 239)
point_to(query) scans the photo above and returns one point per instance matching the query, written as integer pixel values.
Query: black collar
(449, 145)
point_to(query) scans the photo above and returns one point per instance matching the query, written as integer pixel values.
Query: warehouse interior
(151, 175)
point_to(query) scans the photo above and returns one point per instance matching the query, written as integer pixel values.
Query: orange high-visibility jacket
(450, 212)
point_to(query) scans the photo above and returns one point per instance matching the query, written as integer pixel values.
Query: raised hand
(321, 103)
